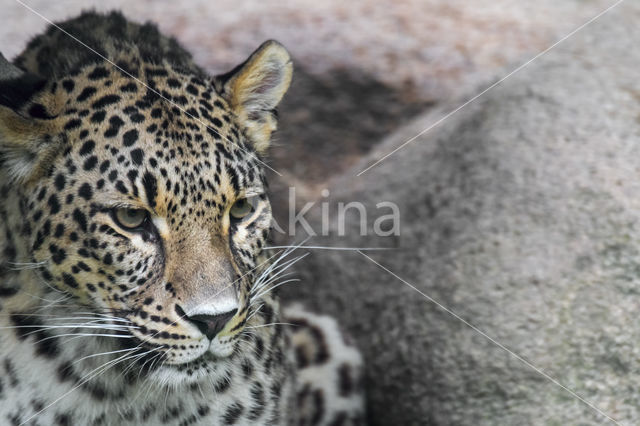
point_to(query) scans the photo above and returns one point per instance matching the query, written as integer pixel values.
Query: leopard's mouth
(150, 356)
(207, 366)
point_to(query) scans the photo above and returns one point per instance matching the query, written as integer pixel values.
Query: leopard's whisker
(280, 274)
(275, 272)
(276, 286)
(51, 302)
(78, 333)
(116, 336)
(255, 311)
(42, 281)
(134, 360)
(153, 360)
(255, 295)
(274, 264)
(271, 324)
(333, 248)
(23, 266)
(147, 361)
(93, 319)
(101, 354)
(42, 327)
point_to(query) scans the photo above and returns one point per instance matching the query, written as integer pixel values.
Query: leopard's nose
(211, 325)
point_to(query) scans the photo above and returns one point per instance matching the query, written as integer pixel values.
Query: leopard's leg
(329, 370)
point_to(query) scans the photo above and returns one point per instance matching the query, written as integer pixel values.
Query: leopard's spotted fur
(97, 319)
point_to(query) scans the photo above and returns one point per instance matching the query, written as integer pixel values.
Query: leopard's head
(142, 193)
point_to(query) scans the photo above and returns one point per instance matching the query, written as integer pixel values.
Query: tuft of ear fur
(254, 89)
(27, 125)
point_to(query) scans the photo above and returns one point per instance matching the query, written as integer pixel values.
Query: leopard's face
(153, 212)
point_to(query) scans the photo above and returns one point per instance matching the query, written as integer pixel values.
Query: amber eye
(242, 208)
(130, 218)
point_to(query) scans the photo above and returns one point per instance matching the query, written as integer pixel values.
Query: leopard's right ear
(28, 123)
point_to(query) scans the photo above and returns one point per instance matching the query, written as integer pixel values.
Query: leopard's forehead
(156, 137)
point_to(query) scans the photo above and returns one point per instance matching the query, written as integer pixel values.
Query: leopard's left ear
(27, 123)
(254, 89)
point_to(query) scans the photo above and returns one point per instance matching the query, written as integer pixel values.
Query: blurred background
(511, 297)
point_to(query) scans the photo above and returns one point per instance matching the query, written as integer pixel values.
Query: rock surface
(521, 215)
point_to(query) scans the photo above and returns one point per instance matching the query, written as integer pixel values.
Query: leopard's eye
(242, 208)
(130, 218)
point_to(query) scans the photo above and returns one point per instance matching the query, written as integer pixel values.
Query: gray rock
(521, 214)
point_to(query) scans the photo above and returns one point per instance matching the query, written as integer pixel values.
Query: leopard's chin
(212, 365)
(179, 355)
(207, 367)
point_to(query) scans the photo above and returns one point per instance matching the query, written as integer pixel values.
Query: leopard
(138, 285)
